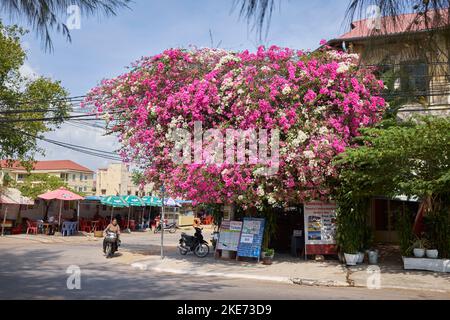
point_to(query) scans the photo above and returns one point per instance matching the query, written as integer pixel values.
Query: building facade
(413, 60)
(116, 179)
(77, 177)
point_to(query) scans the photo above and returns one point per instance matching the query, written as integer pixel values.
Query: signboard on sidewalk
(320, 228)
(251, 238)
(229, 235)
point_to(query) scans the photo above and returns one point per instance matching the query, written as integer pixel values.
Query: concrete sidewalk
(287, 270)
(297, 271)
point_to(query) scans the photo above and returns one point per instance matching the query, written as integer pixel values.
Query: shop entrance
(384, 217)
(288, 220)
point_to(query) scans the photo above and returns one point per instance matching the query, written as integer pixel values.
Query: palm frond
(258, 11)
(43, 16)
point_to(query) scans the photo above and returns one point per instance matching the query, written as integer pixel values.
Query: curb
(319, 283)
(286, 280)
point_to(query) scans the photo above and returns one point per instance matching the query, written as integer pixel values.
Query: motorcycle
(195, 244)
(171, 227)
(111, 244)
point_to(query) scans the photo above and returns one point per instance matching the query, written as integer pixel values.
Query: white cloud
(86, 137)
(27, 71)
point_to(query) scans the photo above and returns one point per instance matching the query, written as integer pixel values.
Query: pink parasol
(61, 194)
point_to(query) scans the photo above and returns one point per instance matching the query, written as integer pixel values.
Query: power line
(85, 150)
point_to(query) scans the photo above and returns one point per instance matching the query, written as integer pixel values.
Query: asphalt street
(34, 270)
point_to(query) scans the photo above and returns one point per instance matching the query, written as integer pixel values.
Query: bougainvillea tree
(317, 101)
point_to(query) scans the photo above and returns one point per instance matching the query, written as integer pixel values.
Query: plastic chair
(73, 228)
(66, 228)
(85, 226)
(17, 229)
(32, 227)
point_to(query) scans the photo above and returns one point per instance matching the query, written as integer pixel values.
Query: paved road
(33, 270)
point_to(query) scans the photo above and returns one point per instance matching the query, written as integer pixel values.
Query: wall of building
(77, 180)
(397, 51)
(117, 180)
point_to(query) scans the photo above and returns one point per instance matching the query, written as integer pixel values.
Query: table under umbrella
(151, 202)
(61, 194)
(114, 202)
(133, 201)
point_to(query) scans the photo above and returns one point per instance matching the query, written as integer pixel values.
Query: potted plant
(351, 259)
(360, 257)
(267, 256)
(419, 246)
(373, 256)
(432, 253)
(351, 254)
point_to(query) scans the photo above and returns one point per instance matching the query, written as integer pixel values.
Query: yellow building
(416, 60)
(410, 55)
(77, 177)
(117, 180)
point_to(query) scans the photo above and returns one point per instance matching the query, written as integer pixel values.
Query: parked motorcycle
(195, 244)
(171, 227)
(111, 244)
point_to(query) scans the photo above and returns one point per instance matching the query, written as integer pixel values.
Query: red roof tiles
(48, 165)
(401, 24)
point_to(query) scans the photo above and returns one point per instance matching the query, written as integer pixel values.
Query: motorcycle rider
(198, 228)
(112, 227)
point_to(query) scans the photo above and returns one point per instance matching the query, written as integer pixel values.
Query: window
(20, 177)
(85, 177)
(103, 191)
(73, 177)
(136, 193)
(414, 79)
(129, 193)
(64, 176)
(85, 189)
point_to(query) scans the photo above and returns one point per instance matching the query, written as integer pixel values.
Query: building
(116, 179)
(411, 56)
(413, 59)
(76, 176)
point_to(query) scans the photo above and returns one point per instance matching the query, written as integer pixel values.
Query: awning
(14, 196)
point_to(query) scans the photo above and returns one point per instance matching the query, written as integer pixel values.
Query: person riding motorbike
(112, 227)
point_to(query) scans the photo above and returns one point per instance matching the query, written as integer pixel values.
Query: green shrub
(405, 232)
(437, 230)
(352, 234)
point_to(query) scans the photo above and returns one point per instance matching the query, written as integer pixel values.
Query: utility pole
(163, 190)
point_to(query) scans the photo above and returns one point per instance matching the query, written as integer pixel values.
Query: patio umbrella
(61, 194)
(114, 202)
(151, 202)
(93, 198)
(170, 202)
(133, 201)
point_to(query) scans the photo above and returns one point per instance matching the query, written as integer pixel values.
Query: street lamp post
(163, 190)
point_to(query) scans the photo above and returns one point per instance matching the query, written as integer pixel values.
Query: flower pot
(373, 257)
(351, 259)
(419, 253)
(360, 257)
(267, 260)
(432, 254)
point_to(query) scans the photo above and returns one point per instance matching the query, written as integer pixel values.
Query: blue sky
(103, 47)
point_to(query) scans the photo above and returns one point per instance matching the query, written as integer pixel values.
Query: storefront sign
(251, 238)
(229, 235)
(320, 228)
(227, 212)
